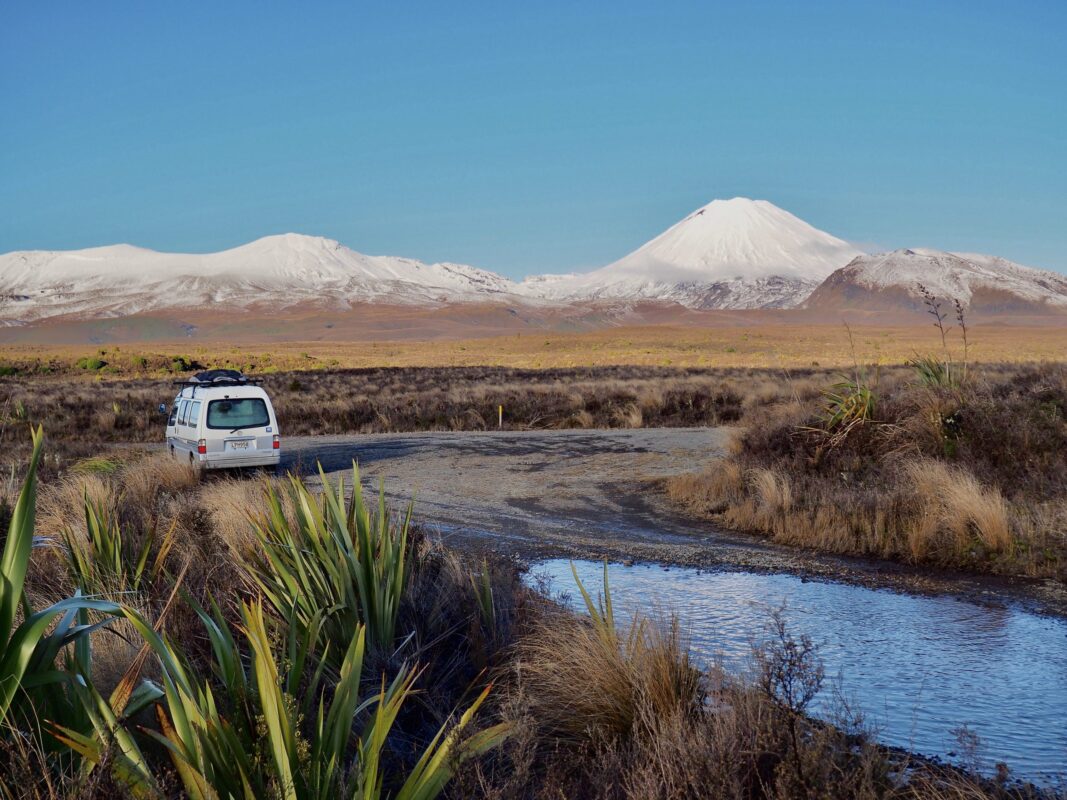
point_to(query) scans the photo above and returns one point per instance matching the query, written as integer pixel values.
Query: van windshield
(240, 412)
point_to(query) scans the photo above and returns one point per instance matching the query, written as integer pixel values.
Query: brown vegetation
(82, 415)
(729, 339)
(938, 470)
(593, 708)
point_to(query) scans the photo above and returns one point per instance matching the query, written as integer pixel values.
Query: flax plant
(108, 559)
(31, 684)
(335, 563)
(274, 722)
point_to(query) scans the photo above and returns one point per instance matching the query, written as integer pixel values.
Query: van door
(194, 424)
(172, 422)
(265, 435)
(181, 438)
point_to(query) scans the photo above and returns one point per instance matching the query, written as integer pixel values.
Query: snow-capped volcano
(737, 253)
(890, 281)
(275, 271)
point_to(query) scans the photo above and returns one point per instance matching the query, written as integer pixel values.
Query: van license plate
(238, 445)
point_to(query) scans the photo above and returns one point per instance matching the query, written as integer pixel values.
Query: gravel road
(592, 494)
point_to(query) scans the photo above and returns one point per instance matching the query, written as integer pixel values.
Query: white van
(221, 419)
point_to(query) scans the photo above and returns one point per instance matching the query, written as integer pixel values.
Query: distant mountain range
(730, 254)
(736, 253)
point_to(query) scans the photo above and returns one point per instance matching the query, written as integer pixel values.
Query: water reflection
(918, 667)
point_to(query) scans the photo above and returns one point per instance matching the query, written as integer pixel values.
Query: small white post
(500, 417)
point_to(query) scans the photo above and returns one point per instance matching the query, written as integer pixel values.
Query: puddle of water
(917, 667)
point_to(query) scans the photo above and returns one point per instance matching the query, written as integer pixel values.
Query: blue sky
(536, 137)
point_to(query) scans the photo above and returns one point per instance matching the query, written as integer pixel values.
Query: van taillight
(201, 446)
(277, 442)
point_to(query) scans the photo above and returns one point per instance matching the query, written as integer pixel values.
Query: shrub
(338, 565)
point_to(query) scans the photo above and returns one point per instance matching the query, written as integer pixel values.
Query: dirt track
(591, 494)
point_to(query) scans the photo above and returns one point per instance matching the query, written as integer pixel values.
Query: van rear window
(239, 412)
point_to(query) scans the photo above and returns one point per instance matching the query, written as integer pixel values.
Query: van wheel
(196, 468)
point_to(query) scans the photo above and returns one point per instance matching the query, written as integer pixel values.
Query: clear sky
(531, 137)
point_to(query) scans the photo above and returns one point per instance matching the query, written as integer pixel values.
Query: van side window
(194, 414)
(173, 415)
(183, 413)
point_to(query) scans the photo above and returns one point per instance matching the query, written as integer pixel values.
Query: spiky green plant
(936, 373)
(849, 402)
(107, 558)
(945, 372)
(32, 685)
(483, 594)
(336, 564)
(282, 725)
(601, 612)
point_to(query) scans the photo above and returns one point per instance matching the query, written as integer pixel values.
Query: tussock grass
(643, 671)
(954, 509)
(972, 475)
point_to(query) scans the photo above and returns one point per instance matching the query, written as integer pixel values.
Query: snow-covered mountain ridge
(730, 254)
(737, 253)
(275, 271)
(979, 282)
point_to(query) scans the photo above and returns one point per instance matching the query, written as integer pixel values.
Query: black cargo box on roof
(218, 377)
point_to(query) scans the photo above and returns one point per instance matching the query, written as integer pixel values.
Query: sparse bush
(90, 363)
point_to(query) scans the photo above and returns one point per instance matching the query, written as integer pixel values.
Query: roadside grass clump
(643, 671)
(965, 474)
(955, 511)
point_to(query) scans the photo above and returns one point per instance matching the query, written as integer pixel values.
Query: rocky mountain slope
(983, 284)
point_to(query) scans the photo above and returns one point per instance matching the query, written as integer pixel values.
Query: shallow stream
(919, 668)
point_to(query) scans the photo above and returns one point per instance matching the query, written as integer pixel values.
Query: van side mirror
(163, 409)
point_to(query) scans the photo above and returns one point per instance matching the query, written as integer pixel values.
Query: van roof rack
(218, 377)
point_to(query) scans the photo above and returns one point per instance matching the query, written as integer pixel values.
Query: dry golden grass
(229, 502)
(647, 670)
(953, 508)
(972, 478)
(744, 342)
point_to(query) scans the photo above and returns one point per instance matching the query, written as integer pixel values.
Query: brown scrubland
(267, 672)
(82, 415)
(961, 470)
(936, 463)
